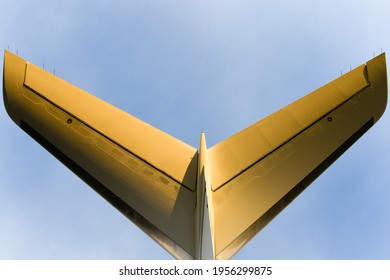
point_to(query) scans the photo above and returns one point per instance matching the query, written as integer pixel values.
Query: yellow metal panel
(245, 181)
(286, 151)
(147, 174)
(231, 156)
(13, 79)
(152, 145)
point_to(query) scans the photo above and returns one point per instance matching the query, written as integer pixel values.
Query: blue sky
(184, 66)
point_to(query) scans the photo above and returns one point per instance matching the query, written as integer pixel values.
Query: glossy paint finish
(196, 203)
(261, 169)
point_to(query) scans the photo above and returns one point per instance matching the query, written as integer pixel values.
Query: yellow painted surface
(256, 168)
(245, 180)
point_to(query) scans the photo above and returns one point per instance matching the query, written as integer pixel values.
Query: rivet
(330, 119)
(69, 121)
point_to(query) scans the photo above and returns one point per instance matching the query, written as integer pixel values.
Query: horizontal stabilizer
(147, 174)
(196, 203)
(258, 171)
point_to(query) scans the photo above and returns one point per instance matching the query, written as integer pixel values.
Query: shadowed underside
(204, 203)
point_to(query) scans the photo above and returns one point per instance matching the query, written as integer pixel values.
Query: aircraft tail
(196, 203)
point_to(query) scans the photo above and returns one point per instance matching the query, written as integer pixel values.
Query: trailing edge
(204, 203)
